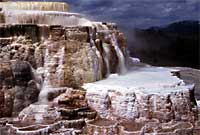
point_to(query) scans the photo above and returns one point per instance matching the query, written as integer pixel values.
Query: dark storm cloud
(137, 13)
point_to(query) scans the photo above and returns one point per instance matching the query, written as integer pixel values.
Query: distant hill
(176, 44)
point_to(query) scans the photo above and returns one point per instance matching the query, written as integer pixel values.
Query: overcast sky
(137, 13)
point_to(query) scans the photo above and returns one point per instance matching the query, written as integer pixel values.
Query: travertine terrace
(61, 73)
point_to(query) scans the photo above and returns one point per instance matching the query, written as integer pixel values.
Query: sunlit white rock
(125, 96)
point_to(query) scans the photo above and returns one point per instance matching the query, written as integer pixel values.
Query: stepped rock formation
(41, 6)
(50, 60)
(129, 97)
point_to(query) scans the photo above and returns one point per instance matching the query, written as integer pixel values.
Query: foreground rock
(151, 97)
(164, 108)
(67, 114)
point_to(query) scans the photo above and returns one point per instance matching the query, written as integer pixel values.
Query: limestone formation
(50, 60)
(65, 58)
(45, 6)
(163, 100)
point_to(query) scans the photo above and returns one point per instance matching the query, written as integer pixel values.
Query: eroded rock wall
(54, 56)
(113, 104)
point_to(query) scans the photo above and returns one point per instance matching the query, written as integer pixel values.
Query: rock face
(164, 99)
(141, 127)
(7, 91)
(151, 101)
(68, 47)
(18, 88)
(49, 56)
(45, 6)
(44, 63)
(66, 114)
